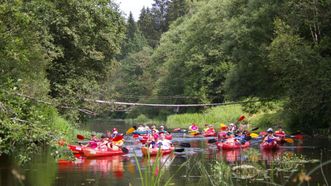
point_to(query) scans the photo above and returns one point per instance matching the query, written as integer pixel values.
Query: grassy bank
(228, 114)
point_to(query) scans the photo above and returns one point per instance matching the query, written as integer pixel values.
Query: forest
(56, 55)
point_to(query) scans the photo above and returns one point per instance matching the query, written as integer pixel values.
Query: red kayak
(168, 137)
(76, 149)
(90, 153)
(210, 134)
(143, 139)
(154, 151)
(230, 146)
(269, 146)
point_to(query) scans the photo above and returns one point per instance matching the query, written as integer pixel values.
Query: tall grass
(216, 115)
(153, 174)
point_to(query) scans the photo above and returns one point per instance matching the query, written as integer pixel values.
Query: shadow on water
(293, 164)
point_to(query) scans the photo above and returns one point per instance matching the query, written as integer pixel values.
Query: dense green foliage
(54, 54)
(240, 50)
(57, 54)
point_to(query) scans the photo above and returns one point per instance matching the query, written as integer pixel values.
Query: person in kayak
(162, 129)
(241, 137)
(94, 141)
(115, 133)
(193, 129)
(163, 142)
(206, 128)
(104, 144)
(232, 127)
(231, 140)
(280, 133)
(154, 129)
(270, 138)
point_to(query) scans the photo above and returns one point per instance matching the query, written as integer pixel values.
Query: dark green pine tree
(146, 26)
(134, 40)
(177, 8)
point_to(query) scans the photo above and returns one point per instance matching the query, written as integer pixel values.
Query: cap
(114, 129)
(161, 126)
(269, 130)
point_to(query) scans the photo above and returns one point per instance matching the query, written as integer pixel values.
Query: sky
(134, 6)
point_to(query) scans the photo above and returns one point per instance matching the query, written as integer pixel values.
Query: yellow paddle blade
(222, 125)
(289, 140)
(254, 135)
(130, 130)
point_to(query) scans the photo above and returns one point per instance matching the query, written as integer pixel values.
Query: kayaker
(193, 129)
(141, 128)
(93, 143)
(154, 129)
(206, 128)
(148, 130)
(104, 145)
(162, 129)
(241, 137)
(270, 138)
(232, 127)
(164, 143)
(115, 133)
(280, 133)
(231, 139)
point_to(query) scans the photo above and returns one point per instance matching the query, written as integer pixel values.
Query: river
(199, 164)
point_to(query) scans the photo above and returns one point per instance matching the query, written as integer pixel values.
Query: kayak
(228, 146)
(154, 151)
(90, 153)
(143, 139)
(210, 134)
(140, 132)
(168, 137)
(269, 146)
(76, 149)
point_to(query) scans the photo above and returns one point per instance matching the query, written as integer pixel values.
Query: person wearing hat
(162, 129)
(193, 129)
(270, 138)
(115, 132)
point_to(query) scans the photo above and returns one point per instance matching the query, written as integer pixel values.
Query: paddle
(212, 140)
(254, 135)
(179, 150)
(289, 140)
(242, 117)
(130, 130)
(125, 150)
(80, 137)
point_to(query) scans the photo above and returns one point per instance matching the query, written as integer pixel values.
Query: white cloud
(134, 6)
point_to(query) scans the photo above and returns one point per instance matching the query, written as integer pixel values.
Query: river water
(293, 164)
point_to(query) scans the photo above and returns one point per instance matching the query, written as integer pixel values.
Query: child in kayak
(193, 129)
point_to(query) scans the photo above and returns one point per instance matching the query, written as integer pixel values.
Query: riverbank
(221, 114)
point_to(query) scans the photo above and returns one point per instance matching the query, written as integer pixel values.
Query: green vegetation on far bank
(272, 117)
